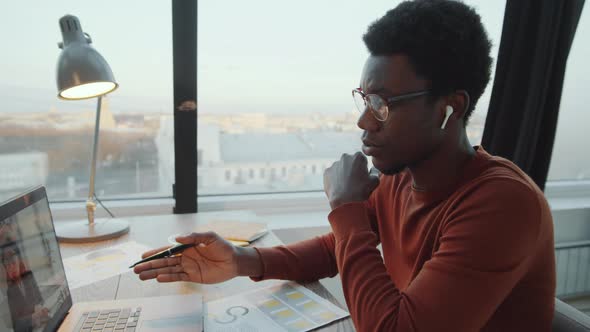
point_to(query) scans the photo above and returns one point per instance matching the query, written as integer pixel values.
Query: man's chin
(393, 171)
(389, 169)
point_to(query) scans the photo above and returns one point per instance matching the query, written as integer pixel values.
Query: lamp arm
(90, 203)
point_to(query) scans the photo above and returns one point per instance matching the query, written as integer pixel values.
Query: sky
(258, 55)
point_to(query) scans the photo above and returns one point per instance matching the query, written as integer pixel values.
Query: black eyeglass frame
(387, 101)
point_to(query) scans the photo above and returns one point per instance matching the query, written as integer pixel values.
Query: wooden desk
(153, 231)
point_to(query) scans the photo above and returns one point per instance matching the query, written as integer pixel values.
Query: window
(569, 159)
(273, 173)
(199, 157)
(239, 177)
(276, 91)
(44, 140)
(569, 174)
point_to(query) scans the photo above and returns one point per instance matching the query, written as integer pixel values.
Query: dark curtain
(522, 117)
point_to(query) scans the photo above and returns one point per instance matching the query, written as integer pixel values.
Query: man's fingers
(373, 179)
(151, 274)
(154, 251)
(373, 183)
(359, 155)
(172, 277)
(374, 172)
(156, 264)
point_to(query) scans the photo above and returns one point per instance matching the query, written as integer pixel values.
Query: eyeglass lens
(376, 104)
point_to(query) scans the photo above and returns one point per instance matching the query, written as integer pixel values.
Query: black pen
(165, 253)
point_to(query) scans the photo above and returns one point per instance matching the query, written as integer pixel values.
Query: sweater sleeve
(302, 261)
(307, 260)
(482, 254)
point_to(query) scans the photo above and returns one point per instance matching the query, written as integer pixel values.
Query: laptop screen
(34, 294)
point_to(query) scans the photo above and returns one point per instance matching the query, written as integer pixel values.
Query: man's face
(12, 265)
(411, 132)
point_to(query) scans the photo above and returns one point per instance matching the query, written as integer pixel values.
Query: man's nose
(367, 121)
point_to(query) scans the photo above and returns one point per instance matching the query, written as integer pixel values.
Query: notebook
(239, 233)
(235, 230)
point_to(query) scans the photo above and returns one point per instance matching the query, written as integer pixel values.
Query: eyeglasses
(379, 106)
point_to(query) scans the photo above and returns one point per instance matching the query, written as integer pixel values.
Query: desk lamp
(83, 73)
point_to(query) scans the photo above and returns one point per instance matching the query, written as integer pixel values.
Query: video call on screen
(32, 279)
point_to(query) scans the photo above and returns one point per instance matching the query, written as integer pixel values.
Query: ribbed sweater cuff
(349, 218)
(271, 259)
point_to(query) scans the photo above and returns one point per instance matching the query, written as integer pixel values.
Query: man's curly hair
(444, 40)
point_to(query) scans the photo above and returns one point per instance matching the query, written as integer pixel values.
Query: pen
(165, 253)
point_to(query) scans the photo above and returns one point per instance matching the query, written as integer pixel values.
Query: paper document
(102, 264)
(238, 233)
(285, 307)
(235, 230)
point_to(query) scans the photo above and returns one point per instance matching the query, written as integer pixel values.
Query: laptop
(34, 293)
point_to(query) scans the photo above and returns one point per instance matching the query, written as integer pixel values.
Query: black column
(184, 40)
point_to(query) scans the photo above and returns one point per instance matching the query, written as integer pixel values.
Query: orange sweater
(476, 257)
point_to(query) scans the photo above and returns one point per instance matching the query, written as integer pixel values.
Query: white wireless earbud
(447, 115)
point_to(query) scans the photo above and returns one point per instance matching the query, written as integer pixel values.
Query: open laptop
(34, 293)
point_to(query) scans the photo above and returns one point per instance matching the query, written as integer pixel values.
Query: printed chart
(102, 264)
(285, 307)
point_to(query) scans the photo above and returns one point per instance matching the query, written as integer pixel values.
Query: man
(23, 297)
(467, 238)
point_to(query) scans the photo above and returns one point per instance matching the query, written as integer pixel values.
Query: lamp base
(82, 232)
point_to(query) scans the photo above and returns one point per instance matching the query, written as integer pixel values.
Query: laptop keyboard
(112, 320)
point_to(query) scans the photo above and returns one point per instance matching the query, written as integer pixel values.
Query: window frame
(184, 48)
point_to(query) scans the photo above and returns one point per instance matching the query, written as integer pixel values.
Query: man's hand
(348, 180)
(211, 260)
(40, 316)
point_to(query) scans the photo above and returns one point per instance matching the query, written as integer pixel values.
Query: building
(19, 171)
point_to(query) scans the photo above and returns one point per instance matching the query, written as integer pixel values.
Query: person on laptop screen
(467, 237)
(22, 292)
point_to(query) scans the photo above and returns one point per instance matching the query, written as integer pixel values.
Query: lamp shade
(81, 71)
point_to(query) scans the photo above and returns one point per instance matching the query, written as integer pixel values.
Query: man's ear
(460, 101)
(448, 112)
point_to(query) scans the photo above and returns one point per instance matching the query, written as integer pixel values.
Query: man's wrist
(249, 262)
(349, 217)
(335, 203)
